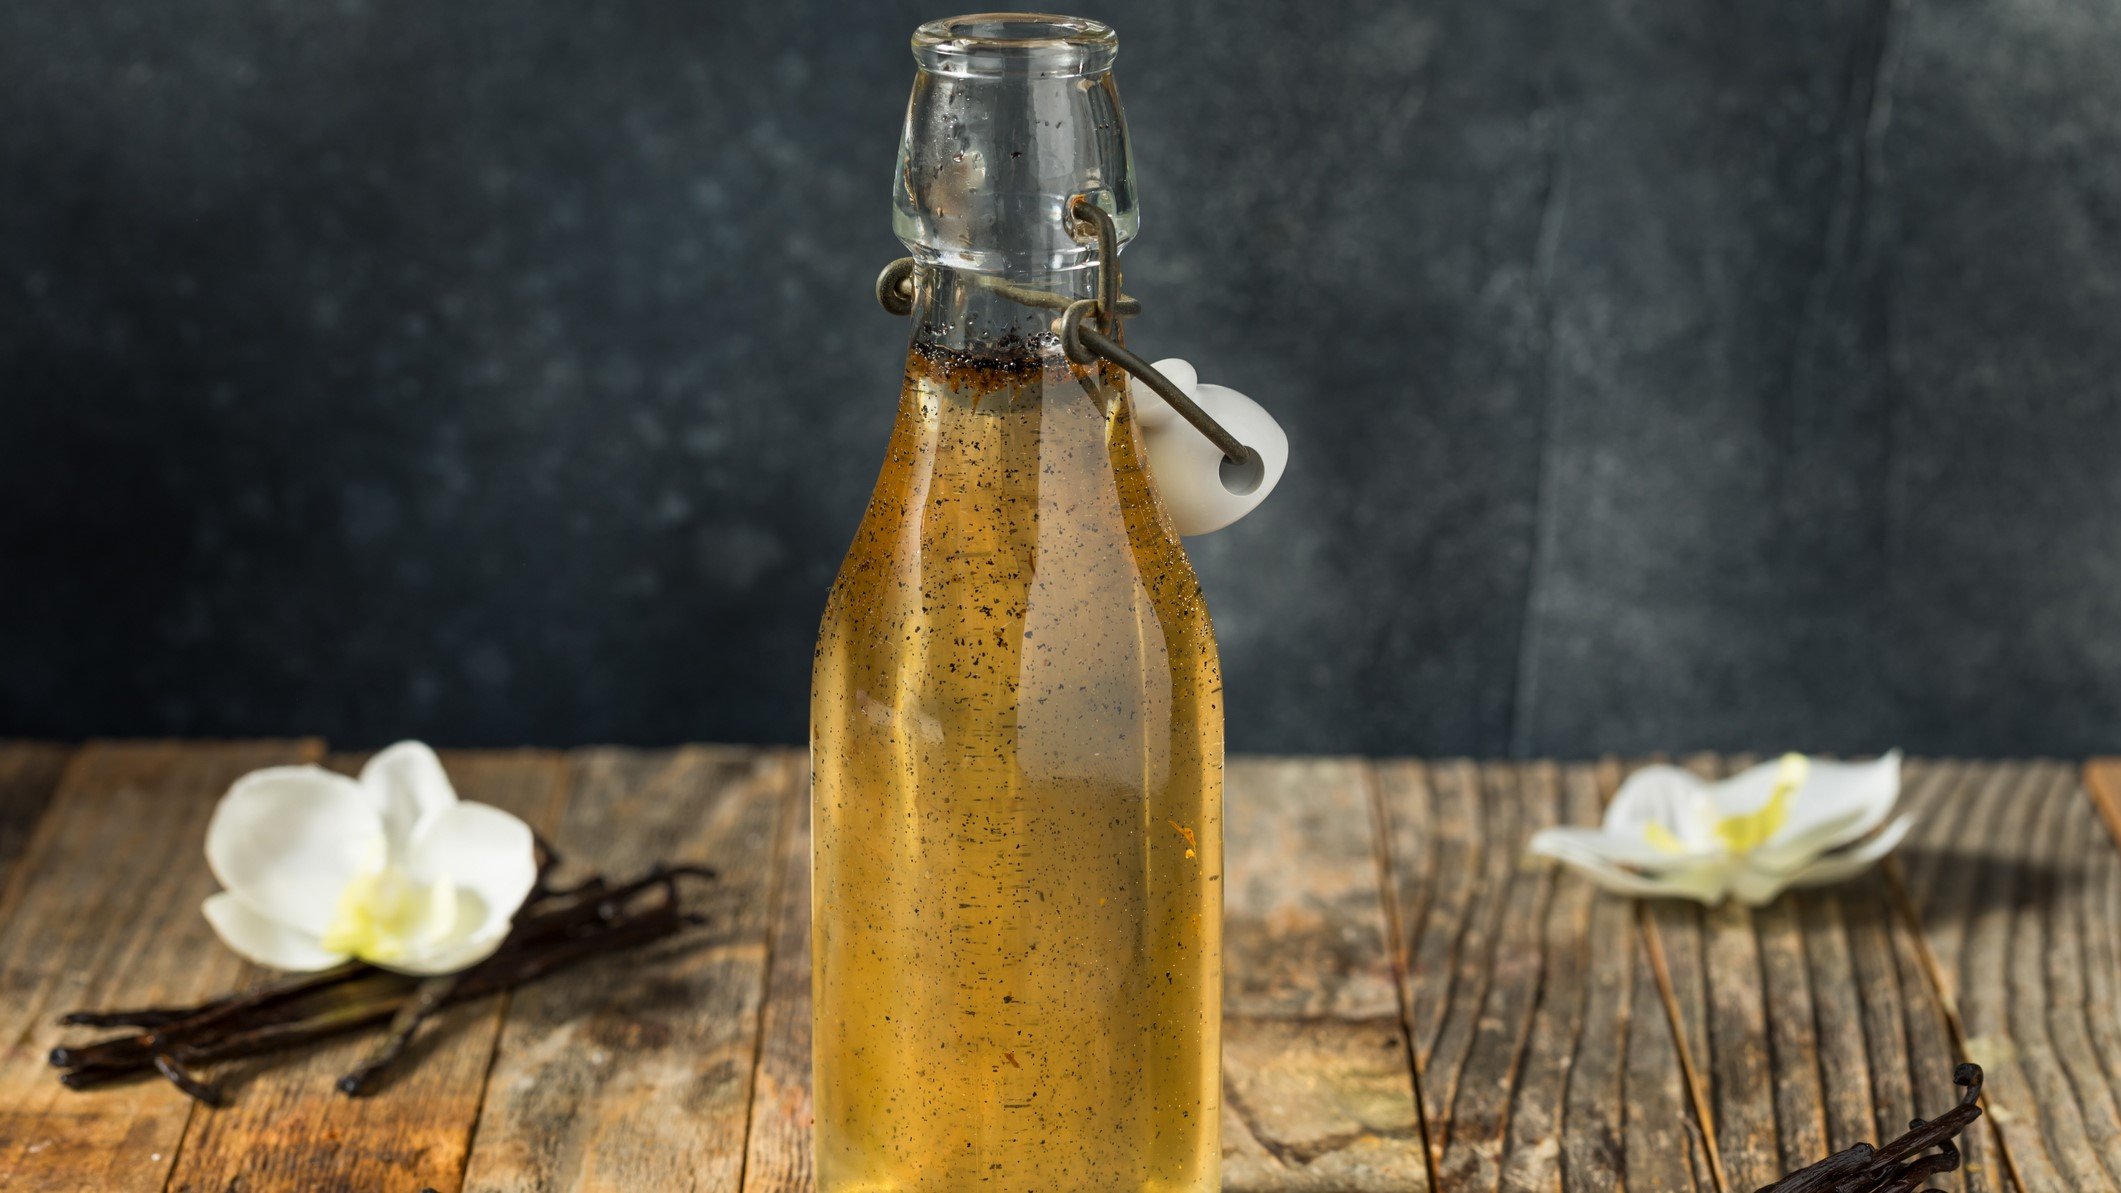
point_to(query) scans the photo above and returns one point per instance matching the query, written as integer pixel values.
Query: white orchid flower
(391, 868)
(1796, 822)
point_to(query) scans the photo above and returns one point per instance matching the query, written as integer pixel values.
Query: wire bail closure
(1089, 330)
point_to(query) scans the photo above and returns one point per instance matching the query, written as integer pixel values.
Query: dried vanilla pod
(556, 928)
(1902, 1165)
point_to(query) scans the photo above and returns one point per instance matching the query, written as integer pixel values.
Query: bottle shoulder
(1012, 498)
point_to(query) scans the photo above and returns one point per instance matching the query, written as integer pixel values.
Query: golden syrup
(1017, 806)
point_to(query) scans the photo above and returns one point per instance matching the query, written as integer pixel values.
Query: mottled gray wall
(1661, 373)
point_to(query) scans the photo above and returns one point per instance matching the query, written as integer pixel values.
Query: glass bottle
(1016, 730)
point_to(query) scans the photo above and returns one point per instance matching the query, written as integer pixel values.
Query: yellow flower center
(1663, 839)
(385, 916)
(1747, 831)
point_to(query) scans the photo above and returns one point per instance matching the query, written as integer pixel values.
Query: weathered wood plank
(104, 911)
(1793, 1036)
(778, 1157)
(1546, 1055)
(1953, 800)
(1434, 839)
(1594, 1120)
(1993, 894)
(1550, 1052)
(29, 773)
(1811, 1022)
(1667, 1142)
(1480, 806)
(1931, 1055)
(289, 1128)
(1842, 1034)
(1316, 1090)
(1531, 1157)
(1473, 1126)
(1739, 1068)
(1934, 1029)
(2077, 865)
(645, 1083)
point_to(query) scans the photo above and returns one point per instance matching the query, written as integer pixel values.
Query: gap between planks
(795, 815)
(679, 1113)
(78, 931)
(1519, 988)
(562, 791)
(1675, 1022)
(1398, 948)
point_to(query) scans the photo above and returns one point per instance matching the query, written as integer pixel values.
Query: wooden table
(1412, 1003)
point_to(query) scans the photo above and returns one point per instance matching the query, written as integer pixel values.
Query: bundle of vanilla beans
(1902, 1166)
(556, 927)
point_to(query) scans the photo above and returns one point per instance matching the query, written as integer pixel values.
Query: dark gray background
(1660, 373)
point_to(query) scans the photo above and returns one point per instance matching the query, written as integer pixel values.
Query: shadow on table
(1974, 882)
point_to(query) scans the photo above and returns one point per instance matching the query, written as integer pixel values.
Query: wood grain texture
(2009, 870)
(1316, 1090)
(603, 1082)
(1489, 1020)
(2015, 899)
(1531, 1158)
(1669, 1144)
(104, 911)
(1378, 915)
(1947, 798)
(29, 774)
(287, 1127)
(1812, 1023)
(778, 1156)
(1546, 1055)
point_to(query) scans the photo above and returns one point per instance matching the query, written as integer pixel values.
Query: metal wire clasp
(1089, 331)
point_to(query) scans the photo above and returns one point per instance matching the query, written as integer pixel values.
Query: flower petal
(1841, 801)
(485, 852)
(391, 914)
(1756, 888)
(1840, 866)
(462, 954)
(288, 839)
(1635, 851)
(1786, 853)
(1809, 831)
(266, 941)
(408, 784)
(1702, 883)
(1667, 798)
(1750, 788)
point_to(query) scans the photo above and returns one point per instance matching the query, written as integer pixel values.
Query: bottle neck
(1010, 119)
(974, 313)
